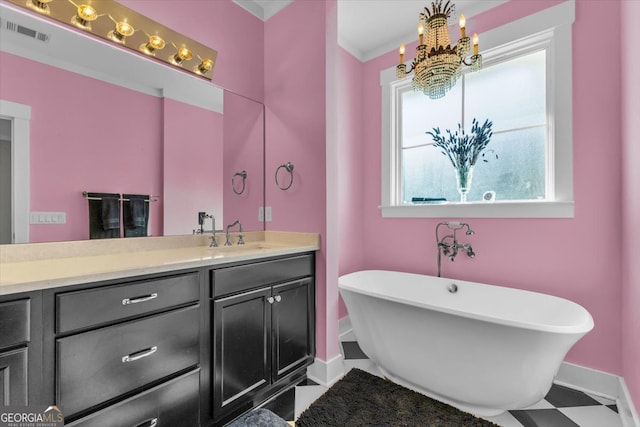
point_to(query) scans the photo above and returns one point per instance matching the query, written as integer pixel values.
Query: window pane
(427, 174)
(518, 173)
(421, 114)
(511, 94)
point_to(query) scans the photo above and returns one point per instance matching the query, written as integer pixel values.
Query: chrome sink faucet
(449, 246)
(214, 242)
(240, 237)
(202, 216)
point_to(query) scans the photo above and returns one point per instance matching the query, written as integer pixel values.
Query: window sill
(556, 209)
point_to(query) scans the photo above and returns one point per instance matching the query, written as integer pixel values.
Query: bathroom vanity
(139, 340)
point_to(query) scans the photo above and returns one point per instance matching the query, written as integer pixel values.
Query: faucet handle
(228, 241)
(214, 242)
(240, 239)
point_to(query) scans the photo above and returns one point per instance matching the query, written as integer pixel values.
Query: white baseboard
(326, 373)
(601, 384)
(626, 408)
(344, 326)
(589, 380)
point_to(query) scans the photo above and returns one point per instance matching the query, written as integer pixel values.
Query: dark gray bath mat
(362, 399)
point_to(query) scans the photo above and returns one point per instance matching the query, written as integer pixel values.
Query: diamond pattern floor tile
(352, 350)
(543, 418)
(593, 416)
(561, 397)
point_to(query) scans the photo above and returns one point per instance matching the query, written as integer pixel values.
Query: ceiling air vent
(17, 28)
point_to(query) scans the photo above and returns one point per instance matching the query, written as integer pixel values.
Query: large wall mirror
(107, 120)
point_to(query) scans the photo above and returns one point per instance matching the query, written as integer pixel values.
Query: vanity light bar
(124, 27)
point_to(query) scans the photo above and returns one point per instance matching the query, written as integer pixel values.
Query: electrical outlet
(267, 214)
(261, 214)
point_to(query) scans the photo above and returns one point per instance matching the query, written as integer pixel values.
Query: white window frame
(550, 27)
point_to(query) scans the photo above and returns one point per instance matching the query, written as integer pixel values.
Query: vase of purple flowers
(463, 150)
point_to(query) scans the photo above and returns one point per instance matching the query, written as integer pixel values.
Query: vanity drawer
(14, 322)
(243, 277)
(96, 366)
(83, 309)
(175, 403)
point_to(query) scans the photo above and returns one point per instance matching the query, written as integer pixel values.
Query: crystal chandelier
(437, 66)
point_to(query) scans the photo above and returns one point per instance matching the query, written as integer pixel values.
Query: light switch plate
(267, 214)
(261, 214)
(50, 218)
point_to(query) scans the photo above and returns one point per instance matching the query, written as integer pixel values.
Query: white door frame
(20, 116)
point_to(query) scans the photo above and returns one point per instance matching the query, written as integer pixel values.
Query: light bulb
(41, 6)
(154, 43)
(85, 15)
(122, 30)
(183, 54)
(205, 66)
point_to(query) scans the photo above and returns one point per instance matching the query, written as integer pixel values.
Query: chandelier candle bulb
(476, 42)
(463, 22)
(421, 33)
(402, 53)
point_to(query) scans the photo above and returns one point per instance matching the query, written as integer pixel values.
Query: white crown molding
(263, 9)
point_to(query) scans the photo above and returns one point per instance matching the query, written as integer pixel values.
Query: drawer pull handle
(278, 298)
(153, 422)
(270, 300)
(128, 301)
(139, 355)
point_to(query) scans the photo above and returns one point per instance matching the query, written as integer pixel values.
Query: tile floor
(562, 407)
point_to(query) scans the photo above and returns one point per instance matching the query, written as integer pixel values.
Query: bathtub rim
(581, 328)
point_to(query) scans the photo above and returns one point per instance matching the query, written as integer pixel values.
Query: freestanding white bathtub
(483, 349)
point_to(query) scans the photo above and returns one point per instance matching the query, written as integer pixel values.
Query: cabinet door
(242, 361)
(13, 377)
(293, 320)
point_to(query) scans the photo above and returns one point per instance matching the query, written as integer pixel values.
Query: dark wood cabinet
(171, 404)
(264, 337)
(102, 364)
(20, 349)
(193, 347)
(293, 326)
(241, 329)
(13, 377)
(113, 350)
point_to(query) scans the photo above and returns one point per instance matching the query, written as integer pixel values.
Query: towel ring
(289, 168)
(243, 175)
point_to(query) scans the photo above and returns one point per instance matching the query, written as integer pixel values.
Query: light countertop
(31, 267)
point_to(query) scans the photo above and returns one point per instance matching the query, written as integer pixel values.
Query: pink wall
(576, 258)
(243, 150)
(631, 200)
(294, 79)
(350, 165)
(193, 153)
(224, 26)
(83, 138)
